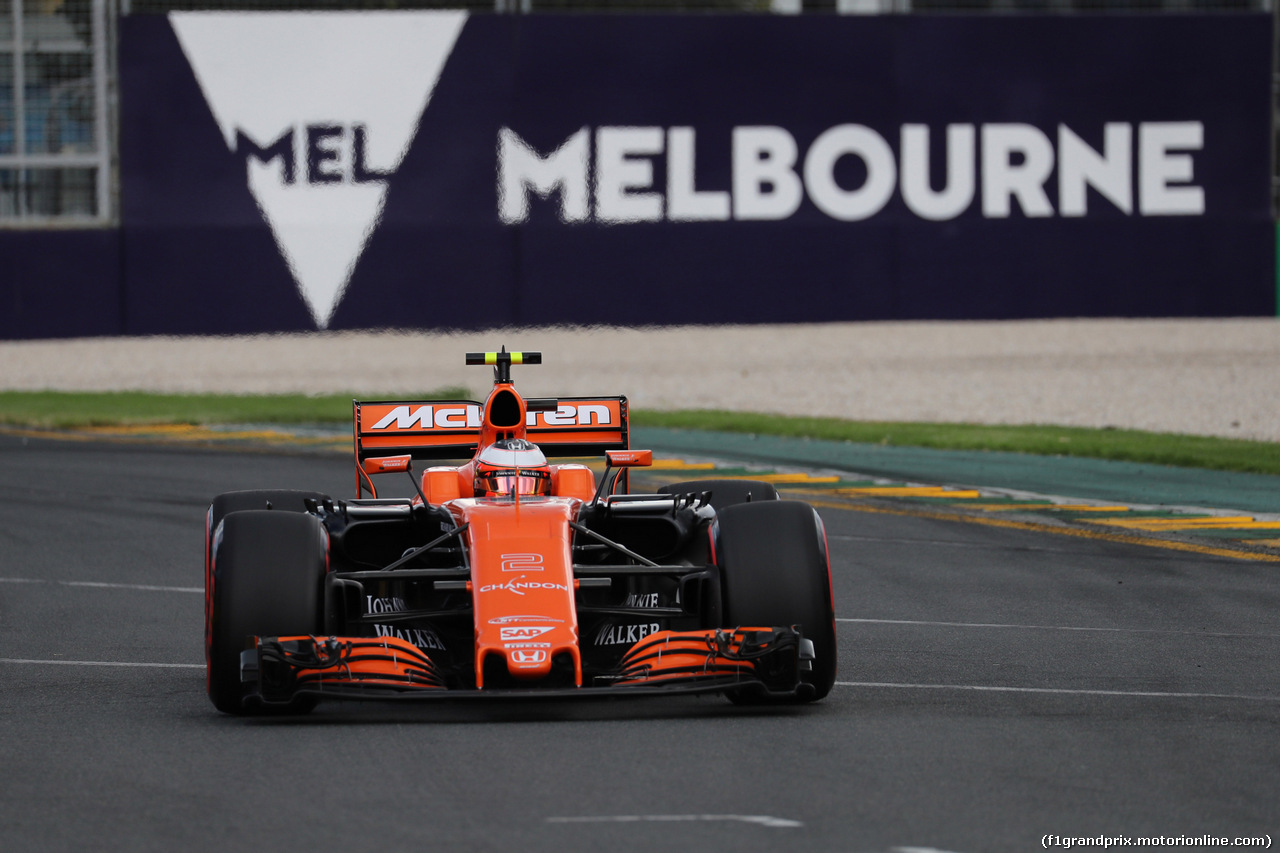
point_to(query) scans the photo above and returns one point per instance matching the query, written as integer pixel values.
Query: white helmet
(512, 466)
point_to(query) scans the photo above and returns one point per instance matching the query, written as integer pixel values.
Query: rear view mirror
(629, 458)
(386, 464)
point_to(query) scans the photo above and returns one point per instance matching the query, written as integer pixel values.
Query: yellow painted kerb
(1060, 531)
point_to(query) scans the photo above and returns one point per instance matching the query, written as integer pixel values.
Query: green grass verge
(1191, 451)
(69, 409)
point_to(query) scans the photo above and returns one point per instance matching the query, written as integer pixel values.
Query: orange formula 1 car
(507, 576)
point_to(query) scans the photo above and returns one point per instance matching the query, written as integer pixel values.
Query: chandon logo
(322, 108)
(520, 585)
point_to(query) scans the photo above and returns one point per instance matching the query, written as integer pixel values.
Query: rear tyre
(775, 572)
(725, 493)
(267, 580)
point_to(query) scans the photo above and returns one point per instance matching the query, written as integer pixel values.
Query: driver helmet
(512, 466)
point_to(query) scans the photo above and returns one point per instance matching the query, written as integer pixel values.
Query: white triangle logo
(323, 106)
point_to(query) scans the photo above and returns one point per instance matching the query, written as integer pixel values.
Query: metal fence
(55, 140)
(57, 128)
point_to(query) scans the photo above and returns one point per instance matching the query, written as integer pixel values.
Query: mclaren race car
(508, 576)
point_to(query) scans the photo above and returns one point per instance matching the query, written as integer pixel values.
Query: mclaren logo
(468, 417)
(322, 108)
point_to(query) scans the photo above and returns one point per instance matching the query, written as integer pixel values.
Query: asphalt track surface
(996, 686)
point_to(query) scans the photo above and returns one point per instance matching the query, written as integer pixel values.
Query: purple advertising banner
(443, 170)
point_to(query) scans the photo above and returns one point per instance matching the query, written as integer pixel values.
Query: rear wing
(450, 429)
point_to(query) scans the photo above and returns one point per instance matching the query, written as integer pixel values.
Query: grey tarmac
(998, 686)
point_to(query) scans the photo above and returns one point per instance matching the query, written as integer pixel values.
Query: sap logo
(613, 635)
(528, 658)
(329, 154)
(522, 563)
(322, 109)
(527, 633)
(609, 176)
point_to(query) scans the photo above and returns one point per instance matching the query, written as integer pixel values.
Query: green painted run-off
(1072, 477)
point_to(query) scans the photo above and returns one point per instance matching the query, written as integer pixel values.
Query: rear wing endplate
(450, 429)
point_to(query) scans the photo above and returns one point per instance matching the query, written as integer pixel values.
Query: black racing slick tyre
(775, 572)
(267, 580)
(288, 500)
(725, 493)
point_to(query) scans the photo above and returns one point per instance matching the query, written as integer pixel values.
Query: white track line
(949, 543)
(746, 818)
(1054, 628)
(762, 820)
(101, 585)
(1059, 690)
(105, 663)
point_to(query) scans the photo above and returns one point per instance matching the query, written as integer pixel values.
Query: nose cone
(526, 624)
(556, 666)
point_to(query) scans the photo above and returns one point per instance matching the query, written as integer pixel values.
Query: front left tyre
(287, 500)
(774, 571)
(266, 579)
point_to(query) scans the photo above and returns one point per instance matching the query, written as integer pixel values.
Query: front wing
(764, 661)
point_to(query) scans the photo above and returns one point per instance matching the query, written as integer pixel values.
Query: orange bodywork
(441, 485)
(522, 583)
(573, 481)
